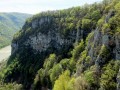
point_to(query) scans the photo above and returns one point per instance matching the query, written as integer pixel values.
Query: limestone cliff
(84, 41)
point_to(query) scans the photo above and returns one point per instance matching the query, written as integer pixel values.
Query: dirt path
(5, 53)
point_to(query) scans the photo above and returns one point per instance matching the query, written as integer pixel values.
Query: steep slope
(10, 23)
(79, 47)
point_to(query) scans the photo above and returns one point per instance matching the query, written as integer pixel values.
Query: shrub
(100, 22)
(81, 84)
(56, 71)
(108, 77)
(82, 56)
(91, 76)
(64, 82)
(105, 28)
(86, 24)
(50, 61)
(77, 50)
(104, 51)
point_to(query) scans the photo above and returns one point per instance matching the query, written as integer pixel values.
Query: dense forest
(71, 49)
(10, 23)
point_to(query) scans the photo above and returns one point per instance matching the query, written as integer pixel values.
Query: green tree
(81, 84)
(64, 82)
(50, 61)
(86, 24)
(55, 72)
(77, 50)
(108, 78)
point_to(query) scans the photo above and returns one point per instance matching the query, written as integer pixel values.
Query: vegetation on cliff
(89, 58)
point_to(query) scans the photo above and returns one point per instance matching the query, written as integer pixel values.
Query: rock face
(51, 38)
(118, 80)
(37, 22)
(112, 43)
(14, 47)
(43, 40)
(117, 48)
(46, 33)
(97, 42)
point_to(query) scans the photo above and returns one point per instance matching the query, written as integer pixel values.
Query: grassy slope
(10, 23)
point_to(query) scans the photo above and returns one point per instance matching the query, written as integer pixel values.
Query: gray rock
(118, 80)
(14, 47)
(117, 48)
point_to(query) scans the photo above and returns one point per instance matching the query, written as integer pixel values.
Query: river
(5, 53)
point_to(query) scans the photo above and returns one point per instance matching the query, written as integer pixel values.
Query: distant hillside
(10, 23)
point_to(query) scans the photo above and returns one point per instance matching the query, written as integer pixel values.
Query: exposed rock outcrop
(41, 42)
(118, 80)
(117, 47)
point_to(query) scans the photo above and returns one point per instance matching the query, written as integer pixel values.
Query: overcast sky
(36, 6)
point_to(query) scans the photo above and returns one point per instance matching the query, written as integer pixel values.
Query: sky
(36, 6)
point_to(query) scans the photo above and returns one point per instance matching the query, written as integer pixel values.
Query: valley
(10, 23)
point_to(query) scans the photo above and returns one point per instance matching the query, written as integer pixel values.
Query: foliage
(108, 77)
(77, 50)
(50, 62)
(65, 63)
(64, 82)
(81, 84)
(89, 37)
(105, 28)
(96, 15)
(82, 56)
(100, 22)
(87, 60)
(92, 76)
(11, 86)
(86, 24)
(104, 51)
(56, 71)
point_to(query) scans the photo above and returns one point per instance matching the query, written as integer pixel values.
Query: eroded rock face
(117, 48)
(38, 22)
(105, 39)
(118, 80)
(14, 47)
(44, 39)
(112, 43)
(45, 36)
(41, 42)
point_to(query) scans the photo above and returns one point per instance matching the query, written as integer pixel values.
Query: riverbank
(5, 53)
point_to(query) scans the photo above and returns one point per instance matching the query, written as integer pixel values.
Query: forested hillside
(72, 49)
(10, 23)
